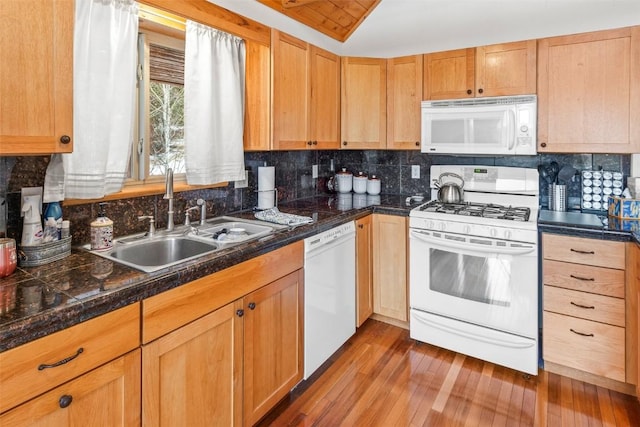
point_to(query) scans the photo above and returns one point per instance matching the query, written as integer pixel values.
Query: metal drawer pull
(582, 252)
(581, 333)
(590, 279)
(61, 362)
(583, 306)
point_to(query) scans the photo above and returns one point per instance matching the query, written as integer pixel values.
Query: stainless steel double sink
(166, 249)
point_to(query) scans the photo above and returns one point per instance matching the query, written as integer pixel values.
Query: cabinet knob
(65, 400)
(240, 312)
(344, 143)
(252, 305)
(480, 90)
(360, 226)
(417, 143)
(315, 142)
(309, 142)
(65, 139)
(544, 144)
(469, 91)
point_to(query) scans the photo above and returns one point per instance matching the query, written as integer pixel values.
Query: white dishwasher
(329, 293)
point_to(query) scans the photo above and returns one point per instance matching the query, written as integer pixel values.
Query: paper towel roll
(266, 178)
(266, 199)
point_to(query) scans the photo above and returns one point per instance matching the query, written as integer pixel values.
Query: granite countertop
(83, 285)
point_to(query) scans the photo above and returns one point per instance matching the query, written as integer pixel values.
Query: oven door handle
(443, 243)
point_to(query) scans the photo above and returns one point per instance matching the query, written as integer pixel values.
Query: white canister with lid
(344, 181)
(373, 185)
(360, 183)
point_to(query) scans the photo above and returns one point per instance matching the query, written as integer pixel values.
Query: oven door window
(475, 278)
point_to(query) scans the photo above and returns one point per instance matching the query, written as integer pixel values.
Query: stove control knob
(493, 232)
(466, 229)
(442, 226)
(507, 234)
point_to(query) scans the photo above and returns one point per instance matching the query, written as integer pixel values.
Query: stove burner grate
(490, 210)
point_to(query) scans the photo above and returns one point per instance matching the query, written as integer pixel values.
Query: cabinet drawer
(601, 253)
(580, 277)
(24, 371)
(594, 307)
(601, 352)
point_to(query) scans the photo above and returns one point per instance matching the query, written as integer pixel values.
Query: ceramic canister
(373, 185)
(344, 181)
(360, 183)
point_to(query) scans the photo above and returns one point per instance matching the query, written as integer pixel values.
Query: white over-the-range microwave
(504, 125)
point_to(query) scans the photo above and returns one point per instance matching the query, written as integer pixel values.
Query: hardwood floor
(381, 377)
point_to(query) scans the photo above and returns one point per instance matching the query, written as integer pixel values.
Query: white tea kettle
(450, 192)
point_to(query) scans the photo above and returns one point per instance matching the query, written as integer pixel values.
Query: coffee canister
(373, 185)
(8, 256)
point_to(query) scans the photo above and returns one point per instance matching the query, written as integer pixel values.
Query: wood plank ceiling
(337, 19)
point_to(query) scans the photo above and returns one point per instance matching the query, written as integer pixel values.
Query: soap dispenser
(101, 231)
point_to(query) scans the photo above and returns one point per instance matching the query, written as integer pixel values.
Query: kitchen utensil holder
(32, 256)
(558, 195)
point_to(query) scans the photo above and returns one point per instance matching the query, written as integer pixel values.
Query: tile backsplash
(293, 180)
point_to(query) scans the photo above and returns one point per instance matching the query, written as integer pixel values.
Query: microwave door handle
(466, 246)
(511, 128)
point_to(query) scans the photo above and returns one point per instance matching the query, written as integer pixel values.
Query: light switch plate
(243, 183)
(415, 171)
(314, 171)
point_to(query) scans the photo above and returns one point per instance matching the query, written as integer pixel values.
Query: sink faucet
(168, 194)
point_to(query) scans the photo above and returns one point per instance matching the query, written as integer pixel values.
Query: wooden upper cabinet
(404, 94)
(506, 69)
(364, 103)
(257, 125)
(324, 107)
(305, 95)
(449, 74)
(588, 92)
(495, 70)
(36, 77)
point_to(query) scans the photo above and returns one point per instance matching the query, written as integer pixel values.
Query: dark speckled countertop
(61, 294)
(58, 295)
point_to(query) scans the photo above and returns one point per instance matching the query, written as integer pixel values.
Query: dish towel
(277, 217)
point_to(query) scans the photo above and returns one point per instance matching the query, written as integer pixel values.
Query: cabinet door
(364, 103)
(588, 92)
(106, 396)
(193, 376)
(324, 109)
(364, 271)
(506, 69)
(257, 125)
(404, 94)
(273, 344)
(390, 266)
(290, 92)
(36, 75)
(449, 74)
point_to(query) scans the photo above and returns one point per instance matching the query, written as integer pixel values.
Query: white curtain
(214, 74)
(104, 87)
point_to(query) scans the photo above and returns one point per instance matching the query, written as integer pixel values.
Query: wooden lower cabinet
(389, 250)
(273, 344)
(224, 349)
(106, 396)
(193, 376)
(589, 317)
(364, 269)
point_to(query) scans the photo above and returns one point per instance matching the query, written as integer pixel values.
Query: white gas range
(474, 268)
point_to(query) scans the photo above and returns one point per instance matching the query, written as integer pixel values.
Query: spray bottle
(32, 226)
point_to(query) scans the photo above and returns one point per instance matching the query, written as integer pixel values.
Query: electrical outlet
(314, 171)
(242, 183)
(415, 171)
